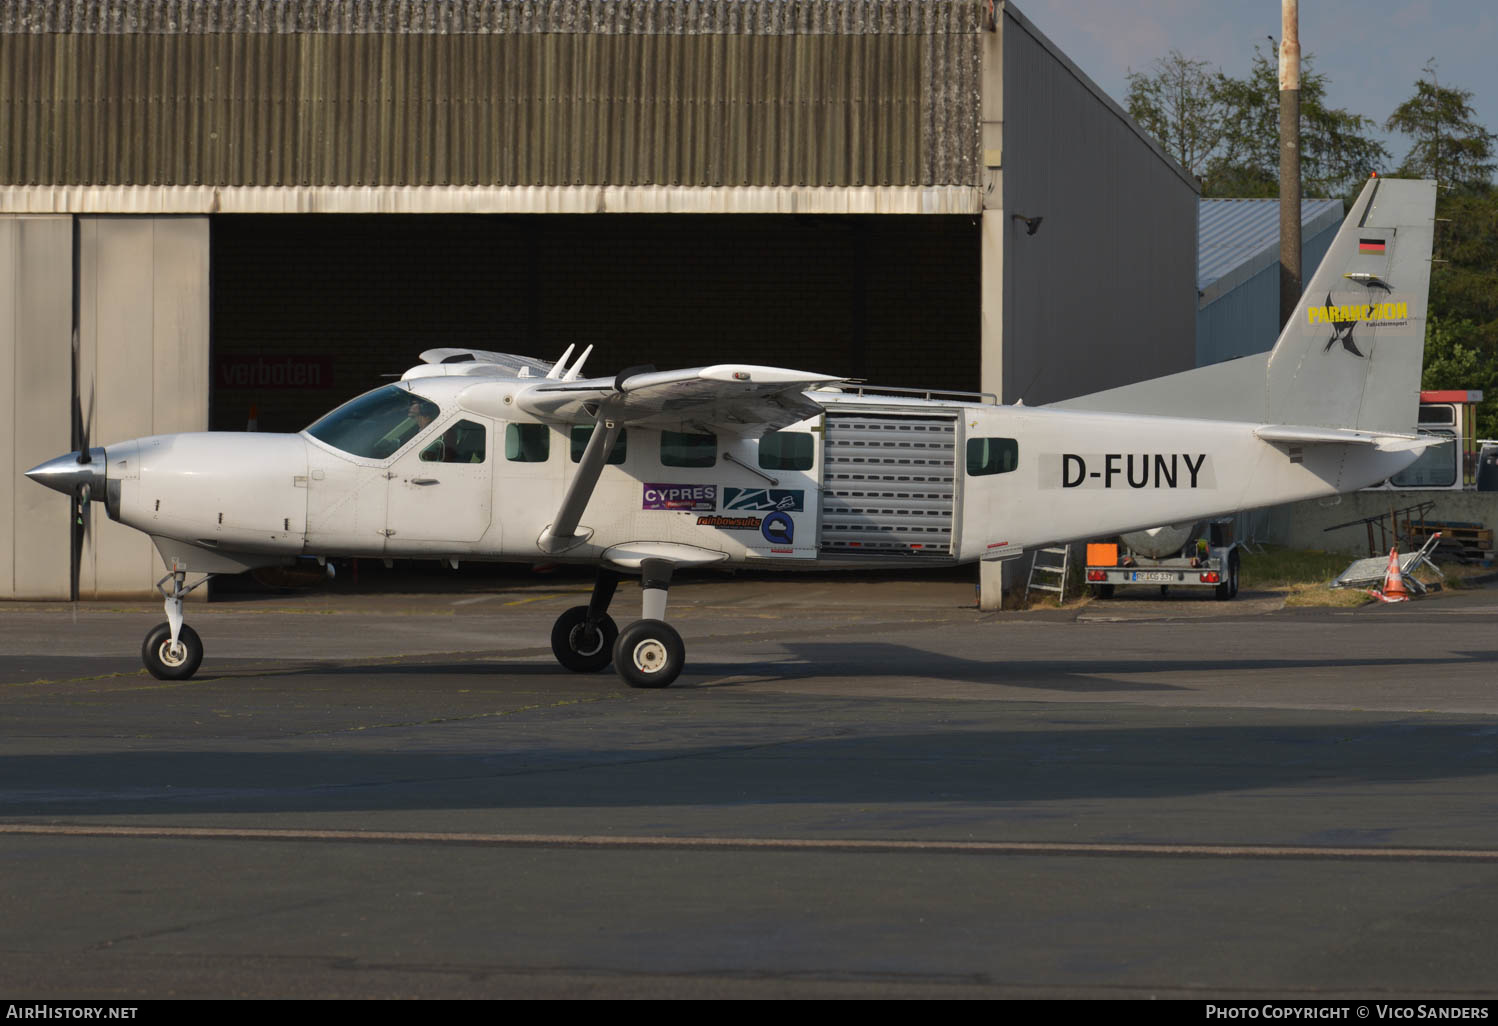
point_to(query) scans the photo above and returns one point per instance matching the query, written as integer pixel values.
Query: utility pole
(1290, 281)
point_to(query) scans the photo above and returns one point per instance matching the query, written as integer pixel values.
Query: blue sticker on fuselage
(763, 500)
(778, 528)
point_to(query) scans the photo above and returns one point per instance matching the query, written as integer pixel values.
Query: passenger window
(785, 450)
(462, 442)
(681, 449)
(991, 456)
(582, 432)
(527, 443)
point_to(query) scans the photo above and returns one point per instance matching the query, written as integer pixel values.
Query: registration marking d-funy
(1134, 470)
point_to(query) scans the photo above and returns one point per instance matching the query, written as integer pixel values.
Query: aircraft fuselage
(873, 480)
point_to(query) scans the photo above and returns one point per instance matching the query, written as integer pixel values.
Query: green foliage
(1461, 335)
(1277, 567)
(1336, 150)
(1177, 104)
(1450, 146)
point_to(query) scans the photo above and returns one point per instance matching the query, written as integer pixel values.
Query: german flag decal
(1370, 246)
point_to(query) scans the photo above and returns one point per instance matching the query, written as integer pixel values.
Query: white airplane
(484, 456)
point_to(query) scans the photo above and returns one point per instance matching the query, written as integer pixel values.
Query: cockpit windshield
(376, 424)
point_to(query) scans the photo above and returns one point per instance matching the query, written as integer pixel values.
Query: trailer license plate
(1154, 577)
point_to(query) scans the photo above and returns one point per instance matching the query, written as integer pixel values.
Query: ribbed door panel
(888, 484)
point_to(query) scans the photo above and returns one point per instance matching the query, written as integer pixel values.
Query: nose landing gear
(173, 650)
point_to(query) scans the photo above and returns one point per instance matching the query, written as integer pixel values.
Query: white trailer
(1192, 555)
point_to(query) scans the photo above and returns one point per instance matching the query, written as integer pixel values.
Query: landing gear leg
(649, 653)
(173, 650)
(582, 639)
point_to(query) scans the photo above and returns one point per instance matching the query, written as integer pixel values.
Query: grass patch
(1305, 576)
(1281, 569)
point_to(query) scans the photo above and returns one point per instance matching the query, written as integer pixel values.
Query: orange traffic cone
(1394, 590)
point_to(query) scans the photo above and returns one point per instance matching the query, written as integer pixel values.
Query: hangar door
(309, 310)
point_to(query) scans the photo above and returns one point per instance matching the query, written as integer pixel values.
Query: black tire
(579, 649)
(1103, 591)
(1228, 589)
(649, 654)
(162, 663)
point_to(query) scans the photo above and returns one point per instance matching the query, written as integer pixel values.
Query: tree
(1336, 151)
(1177, 103)
(1450, 146)
(1461, 337)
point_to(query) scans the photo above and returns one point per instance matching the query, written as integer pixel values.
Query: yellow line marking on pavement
(1235, 851)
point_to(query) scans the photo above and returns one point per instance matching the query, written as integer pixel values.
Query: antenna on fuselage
(577, 368)
(561, 365)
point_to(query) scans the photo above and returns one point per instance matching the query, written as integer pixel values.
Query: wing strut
(561, 534)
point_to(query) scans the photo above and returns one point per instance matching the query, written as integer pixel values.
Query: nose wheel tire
(167, 662)
(649, 654)
(581, 648)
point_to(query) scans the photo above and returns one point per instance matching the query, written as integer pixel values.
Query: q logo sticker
(778, 528)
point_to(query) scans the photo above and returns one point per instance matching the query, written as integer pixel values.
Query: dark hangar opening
(310, 310)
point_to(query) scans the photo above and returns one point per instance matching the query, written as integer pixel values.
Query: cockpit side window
(376, 424)
(461, 442)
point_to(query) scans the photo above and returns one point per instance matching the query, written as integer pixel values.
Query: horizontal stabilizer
(1346, 436)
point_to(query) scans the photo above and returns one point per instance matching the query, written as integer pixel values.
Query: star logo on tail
(1342, 333)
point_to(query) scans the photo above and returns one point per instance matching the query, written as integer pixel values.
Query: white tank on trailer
(1159, 542)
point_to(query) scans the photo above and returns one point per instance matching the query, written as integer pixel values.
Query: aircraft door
(784, 504)
(439, 497)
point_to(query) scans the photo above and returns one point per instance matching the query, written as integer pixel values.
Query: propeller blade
(75, 565)
(78, 427)
(85, 455)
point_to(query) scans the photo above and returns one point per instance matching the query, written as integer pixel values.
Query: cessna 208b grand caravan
(478, 455)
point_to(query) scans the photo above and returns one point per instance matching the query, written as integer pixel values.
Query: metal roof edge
(1266, 257)
(1108, 101)
(519, 199)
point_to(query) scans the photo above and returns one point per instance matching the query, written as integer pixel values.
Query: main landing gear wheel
(578, 646)
(168, 662)
(649, 654)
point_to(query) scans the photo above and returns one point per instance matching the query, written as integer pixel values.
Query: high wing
(479, 362)
(736, 398)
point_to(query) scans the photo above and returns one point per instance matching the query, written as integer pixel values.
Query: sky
(1371, 51)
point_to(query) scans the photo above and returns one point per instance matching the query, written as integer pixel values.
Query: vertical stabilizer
(1352, 352)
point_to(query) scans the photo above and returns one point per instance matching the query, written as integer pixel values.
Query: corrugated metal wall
(481, 92)
(36, 320)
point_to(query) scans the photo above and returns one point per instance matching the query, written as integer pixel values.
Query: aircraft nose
(66, 473)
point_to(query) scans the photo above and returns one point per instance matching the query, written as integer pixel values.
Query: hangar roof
(1237, 238)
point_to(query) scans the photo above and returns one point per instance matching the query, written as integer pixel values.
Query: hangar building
(1238, 271)
(257, 208)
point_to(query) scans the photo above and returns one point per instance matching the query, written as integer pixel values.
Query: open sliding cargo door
(889, 484)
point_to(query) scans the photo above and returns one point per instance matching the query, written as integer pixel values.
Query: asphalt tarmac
(856, 789)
